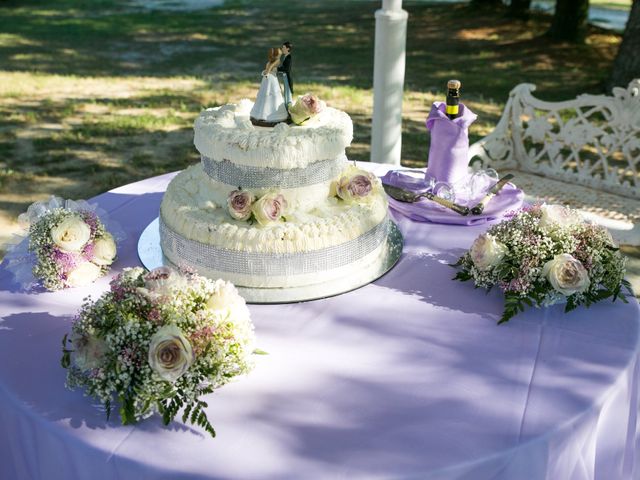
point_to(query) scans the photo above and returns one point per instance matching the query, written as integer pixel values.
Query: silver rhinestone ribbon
(197, 254)
(265, 177)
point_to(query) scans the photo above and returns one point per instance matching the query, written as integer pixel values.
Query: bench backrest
(593, 140)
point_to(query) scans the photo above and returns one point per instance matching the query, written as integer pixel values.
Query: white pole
(388, 82)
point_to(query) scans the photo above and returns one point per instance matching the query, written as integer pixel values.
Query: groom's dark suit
(286, 69)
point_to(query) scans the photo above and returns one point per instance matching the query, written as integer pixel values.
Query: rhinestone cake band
(264, 177)
(197, 254)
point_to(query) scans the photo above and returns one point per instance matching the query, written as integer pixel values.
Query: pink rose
(239, 204)
(306, 107)
(313, 103)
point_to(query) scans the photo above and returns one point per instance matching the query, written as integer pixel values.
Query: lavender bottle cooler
(449, 150)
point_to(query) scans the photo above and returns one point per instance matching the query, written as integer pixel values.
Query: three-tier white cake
(315, 217)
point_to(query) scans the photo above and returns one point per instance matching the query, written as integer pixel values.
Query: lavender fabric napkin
(502, 205)
(449, 150)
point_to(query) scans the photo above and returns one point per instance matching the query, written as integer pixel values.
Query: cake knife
(408, 196)
(479, 207)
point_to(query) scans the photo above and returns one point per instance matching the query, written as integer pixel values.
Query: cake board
(151, 256)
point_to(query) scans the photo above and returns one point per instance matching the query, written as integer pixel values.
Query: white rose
(269, 209)
(566, 274)
(104, 250)
(223, 297)
(487, 252)
(554, 216)
(162, 280)
(71, 235)
(83, 274)
(170, 353)
(88, 351)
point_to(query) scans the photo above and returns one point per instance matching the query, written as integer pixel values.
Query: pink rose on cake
(356, 185)
(239, 204)
(269, 208)
(306, 107)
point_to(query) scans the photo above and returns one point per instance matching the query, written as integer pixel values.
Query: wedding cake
(273, 207)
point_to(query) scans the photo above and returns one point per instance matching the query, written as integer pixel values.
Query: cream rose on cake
(269, 209)
(566, 274)
(239, 204)
(486, 252)
(356, 185)
(71, 235)
(306, 107)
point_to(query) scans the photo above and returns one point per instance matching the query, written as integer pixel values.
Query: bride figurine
(269, 108)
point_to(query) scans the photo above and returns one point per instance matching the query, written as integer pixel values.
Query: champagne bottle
(453, 99)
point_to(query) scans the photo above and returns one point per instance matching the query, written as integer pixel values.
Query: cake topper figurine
(269, 108)
(284, 72)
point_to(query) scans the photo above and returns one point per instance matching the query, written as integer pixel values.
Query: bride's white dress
(269, 104)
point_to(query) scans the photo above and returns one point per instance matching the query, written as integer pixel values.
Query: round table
(408, 377)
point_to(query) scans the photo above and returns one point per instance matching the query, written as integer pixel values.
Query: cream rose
(239, 204)
(104, 250)
(305, 108)
(88, 351)
(355, 185)
(553, 216)
(162, 280)
(487, 252)
(170, 353)
(269, 209)
(566, 274)
(71, 235)
(223, 297)
(83, 274)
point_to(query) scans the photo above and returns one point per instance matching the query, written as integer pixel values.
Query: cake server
(493, 191)
(408, 196)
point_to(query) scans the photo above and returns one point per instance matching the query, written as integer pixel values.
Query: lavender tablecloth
(408, 377)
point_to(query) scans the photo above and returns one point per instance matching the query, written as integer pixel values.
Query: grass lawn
(98, 93)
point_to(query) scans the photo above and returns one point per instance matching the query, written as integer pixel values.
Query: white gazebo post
(388, 82)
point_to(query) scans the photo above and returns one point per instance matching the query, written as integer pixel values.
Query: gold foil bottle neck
(454, 84)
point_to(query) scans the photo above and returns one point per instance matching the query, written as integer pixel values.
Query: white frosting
(300, 199)
(226, 133)
(362, 268)
(188, 208)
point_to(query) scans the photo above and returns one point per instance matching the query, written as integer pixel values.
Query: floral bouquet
(306, 107)
(158, 341)
(69, 245)
(545, 255)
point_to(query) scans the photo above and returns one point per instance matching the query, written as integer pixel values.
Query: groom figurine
(284, 72)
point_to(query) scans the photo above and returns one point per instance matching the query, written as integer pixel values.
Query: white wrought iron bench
(583, 152)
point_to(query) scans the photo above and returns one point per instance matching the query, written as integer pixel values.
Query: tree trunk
(569, 21)
(519, 9)
(626, 66)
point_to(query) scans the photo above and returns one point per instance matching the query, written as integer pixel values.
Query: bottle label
(452, 109)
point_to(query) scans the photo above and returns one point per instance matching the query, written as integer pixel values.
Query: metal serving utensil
(479, 208)
(408, 196)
